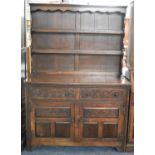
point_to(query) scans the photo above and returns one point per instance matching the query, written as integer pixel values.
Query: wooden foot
(28, 147)
(120, 149)
(129, 148)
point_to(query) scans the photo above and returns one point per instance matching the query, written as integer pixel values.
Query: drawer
(102, 93)
(52, 92)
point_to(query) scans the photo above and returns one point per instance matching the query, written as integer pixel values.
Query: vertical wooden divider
(76, 68)
(77, 41)
(100, 130)
(52, 129)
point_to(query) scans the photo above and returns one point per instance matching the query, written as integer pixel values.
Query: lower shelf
(59, 78)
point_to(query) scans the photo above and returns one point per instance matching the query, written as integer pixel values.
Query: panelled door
(100, 122)
(52, 122)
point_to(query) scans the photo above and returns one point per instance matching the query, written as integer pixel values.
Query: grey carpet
(74, 151)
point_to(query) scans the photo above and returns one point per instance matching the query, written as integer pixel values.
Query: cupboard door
(52, 121)
(100, 122)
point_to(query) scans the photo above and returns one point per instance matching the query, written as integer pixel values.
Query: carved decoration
(93, 112)
(76, 8)
(101, 93)
(53, 112)
(50, 92)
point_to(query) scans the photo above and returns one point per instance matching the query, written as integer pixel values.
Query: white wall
(94, 2)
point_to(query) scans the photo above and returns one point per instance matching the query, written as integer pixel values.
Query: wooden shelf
(62, 51)
(78, 31)
(78, 80)
(76, 73)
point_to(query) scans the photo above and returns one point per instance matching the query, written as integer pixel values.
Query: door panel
(62, 130)
(110, 130)
(90, 130)
(43, 130)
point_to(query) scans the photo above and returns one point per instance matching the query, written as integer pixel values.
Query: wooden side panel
(131, 120)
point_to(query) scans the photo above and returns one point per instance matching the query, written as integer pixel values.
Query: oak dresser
(76, 93)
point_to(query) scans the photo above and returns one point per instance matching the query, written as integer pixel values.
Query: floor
(74, 151)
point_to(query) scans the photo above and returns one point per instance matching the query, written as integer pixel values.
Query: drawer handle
(86, 94)
(115, 95)
(67, 94)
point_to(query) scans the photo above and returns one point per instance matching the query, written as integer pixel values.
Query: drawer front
(52, 92)
(102, 93)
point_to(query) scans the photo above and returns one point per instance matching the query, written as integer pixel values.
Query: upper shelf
(62, 51)
(78, 31)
